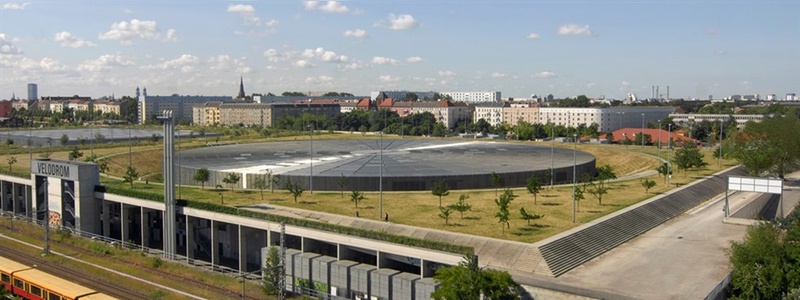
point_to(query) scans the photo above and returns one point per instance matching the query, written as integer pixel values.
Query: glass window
(6, 278)
(35, 290)
(18, 283)
(54, 297)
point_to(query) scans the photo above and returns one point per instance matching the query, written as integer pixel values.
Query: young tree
(75, 154)
(496, 180)
(260, 182)
(663, 169)
(64, 139)
(130, 175)
(294, 188)
(357, 196)
(11, 161)
(534, 186)
(689, 156)
(648, 184)
(273, 271)
(231, 179)
(461, 206)
(467, 281)
(202, 175)
(440, 189)
(503, 214)
(578, 198)
(528, 217)
(599, 187)
(342, 182)
(444, 213)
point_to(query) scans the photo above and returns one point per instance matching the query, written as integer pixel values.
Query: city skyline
(607, 49)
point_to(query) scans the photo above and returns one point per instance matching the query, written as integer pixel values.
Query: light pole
(552, 145)
(642, 132)
(574, 177)
(669, 149)
(46, 249)
(719, 158)
(380, 168)
(659, 139)
(311, 161)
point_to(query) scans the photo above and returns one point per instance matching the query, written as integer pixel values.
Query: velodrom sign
(55, 169)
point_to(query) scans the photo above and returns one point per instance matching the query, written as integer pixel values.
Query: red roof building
(656, 136)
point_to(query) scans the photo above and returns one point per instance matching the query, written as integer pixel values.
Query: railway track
(93, 281)
(221, 293)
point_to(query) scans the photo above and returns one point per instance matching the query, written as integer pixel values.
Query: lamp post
(719, 158)
(552, 145)
(380, 168)
(311, 161)
(669, 149)
(46, 249)
(659, 139)
(642, 132)
(574, 176)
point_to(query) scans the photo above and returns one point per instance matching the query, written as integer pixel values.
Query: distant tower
(33, 91)
(241, 89)
(138, 93)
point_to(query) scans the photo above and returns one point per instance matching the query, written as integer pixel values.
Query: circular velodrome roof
(408, 164)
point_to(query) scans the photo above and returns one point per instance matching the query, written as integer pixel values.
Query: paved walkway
(684, 258)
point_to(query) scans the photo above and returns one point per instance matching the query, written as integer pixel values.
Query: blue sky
(566, 48)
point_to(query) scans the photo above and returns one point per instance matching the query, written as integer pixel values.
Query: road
(682, 259)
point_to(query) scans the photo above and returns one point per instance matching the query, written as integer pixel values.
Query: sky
(517, 47)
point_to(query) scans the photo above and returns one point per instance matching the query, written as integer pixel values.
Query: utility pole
(574, 177)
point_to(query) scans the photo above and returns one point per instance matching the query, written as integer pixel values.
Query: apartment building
(741, 120)
(492, 112)
(473, 97)
(516, 112)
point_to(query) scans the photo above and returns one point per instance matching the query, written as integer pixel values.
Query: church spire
(241, 89)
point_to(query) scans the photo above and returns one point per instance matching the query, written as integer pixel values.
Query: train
(28, 282)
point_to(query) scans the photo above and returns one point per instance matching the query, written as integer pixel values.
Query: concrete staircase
(564, 254)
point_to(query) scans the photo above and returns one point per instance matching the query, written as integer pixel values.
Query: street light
(669, 149)
(311, 161)
(574, 176)
(719, 158)
(659, 139)
(642, 131)
(552, 145)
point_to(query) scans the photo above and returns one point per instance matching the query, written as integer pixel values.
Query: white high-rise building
(473, 97)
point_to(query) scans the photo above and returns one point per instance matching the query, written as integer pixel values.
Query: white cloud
(573, 29)
(227, 63)
(356, 65)
(534, 36)
(624, 86)
(357, 33)
(70, 41)
(712, 31)
(379, 60)
(720, 52)
(389, 78)
(185, 63)
(319, 80)
(125, 32)
(328, 7)
(241, 8)
(414, 59)
(273, 55)
(402, 22)
(324, 55)
(303, 64)
(246, 12)
(6, 47)
(104, 63)
(45, 65)
(447, 73)
(499, 75)
(15, 6)
(545, 74)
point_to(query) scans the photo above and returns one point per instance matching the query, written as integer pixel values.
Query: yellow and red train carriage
(31, 283)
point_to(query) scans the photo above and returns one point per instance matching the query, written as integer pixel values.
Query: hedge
(359, 232)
